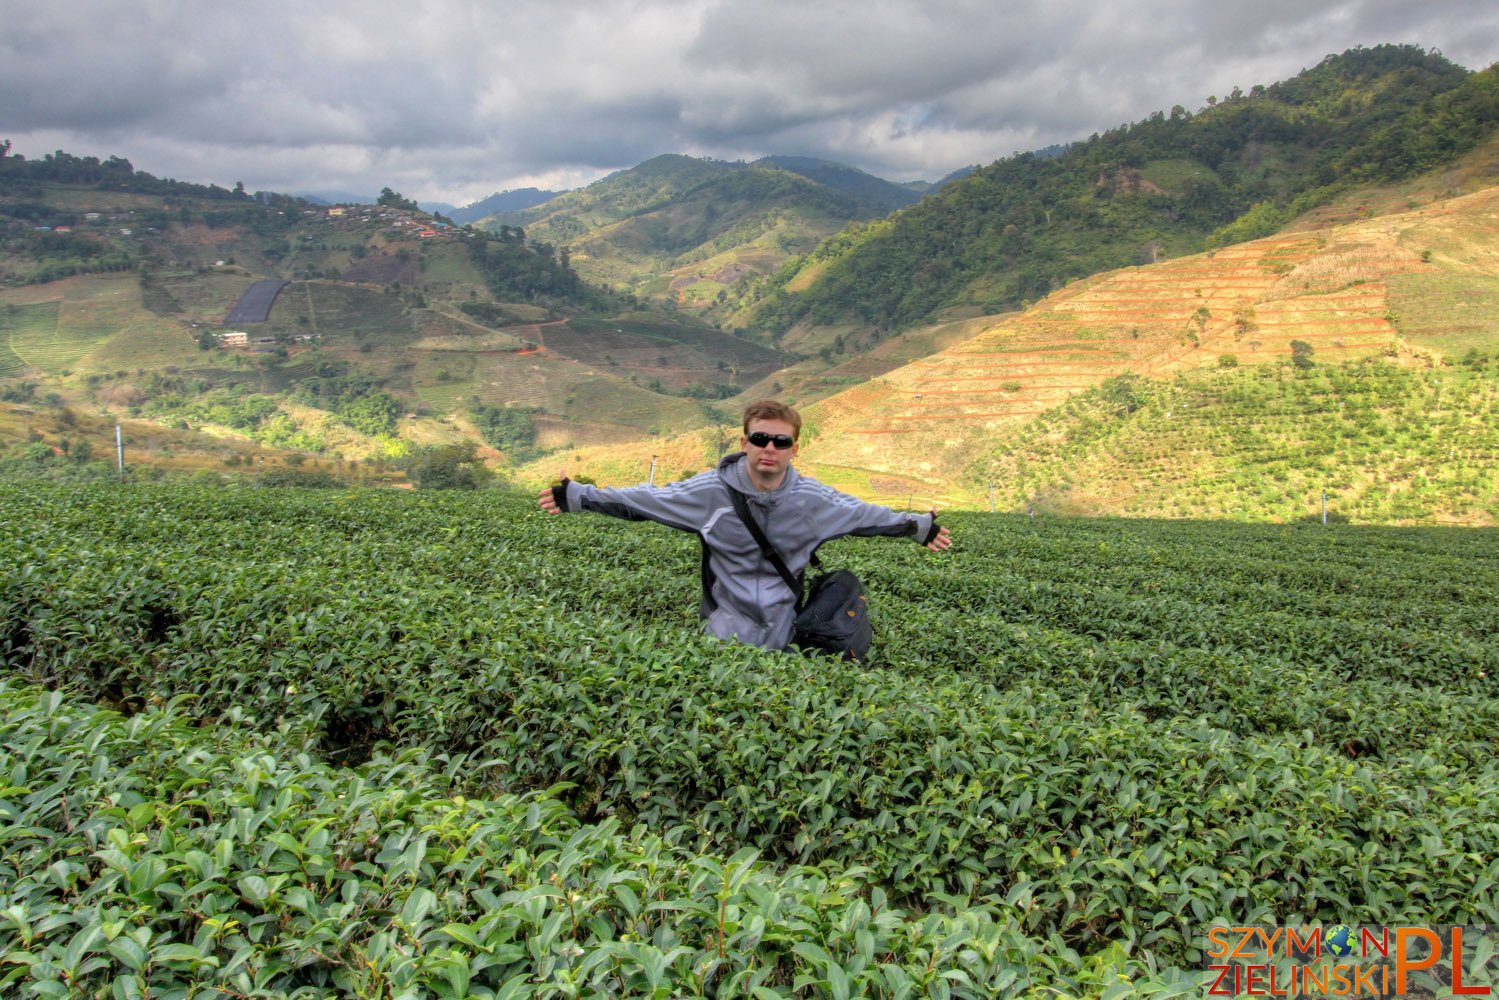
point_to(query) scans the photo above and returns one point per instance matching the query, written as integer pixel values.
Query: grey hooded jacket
(744, 598)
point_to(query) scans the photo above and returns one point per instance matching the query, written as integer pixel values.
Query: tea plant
(1104, 735)
(151, 856)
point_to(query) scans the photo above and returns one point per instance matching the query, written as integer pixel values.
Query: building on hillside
(234, 338)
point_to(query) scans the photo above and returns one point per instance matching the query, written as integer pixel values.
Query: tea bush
(153, 856)
(1103, 735)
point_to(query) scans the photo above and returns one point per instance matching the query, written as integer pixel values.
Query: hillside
(1238, 383)
(395, 335)
(1398, 440)
(1419, 281)
(384, 345)
(1172, 185)
(115, 287)
(882, 193)
(694, 232)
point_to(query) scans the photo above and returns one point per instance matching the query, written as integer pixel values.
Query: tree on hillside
(392, 199)
(450, 467)
(508, 428)
(1122, 393)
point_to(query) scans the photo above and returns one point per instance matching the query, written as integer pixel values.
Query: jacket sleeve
(839, 514)
(685, 505)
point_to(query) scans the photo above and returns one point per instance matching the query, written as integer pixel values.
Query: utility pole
(120, 451)
(651, 479)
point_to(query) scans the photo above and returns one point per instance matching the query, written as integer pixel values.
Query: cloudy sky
(452, 100)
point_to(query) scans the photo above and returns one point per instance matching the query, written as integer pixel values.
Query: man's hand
(547, 499)
(943, 539)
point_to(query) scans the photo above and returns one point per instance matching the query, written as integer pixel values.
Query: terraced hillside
(1387, 440)
(1345, 293)
(676, 356)
(86, 324)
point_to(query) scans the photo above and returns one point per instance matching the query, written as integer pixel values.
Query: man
(744, 597)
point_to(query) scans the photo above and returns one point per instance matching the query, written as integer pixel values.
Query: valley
(958, 346)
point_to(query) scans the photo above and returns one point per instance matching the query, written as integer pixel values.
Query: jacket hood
(732, 470)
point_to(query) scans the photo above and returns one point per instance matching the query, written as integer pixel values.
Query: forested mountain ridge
(1175, 183)
(64, 214)
(851, 180)
(694, 231)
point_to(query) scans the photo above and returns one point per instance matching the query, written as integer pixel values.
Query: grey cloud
(455, 99)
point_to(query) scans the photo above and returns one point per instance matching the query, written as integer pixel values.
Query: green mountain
(856, 182)
(1356, 352)
(1173, 184)
(695, 232)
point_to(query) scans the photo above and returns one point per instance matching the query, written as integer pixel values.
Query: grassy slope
(625, 463)
(67, 334)
(1420, 279)
(151, 448)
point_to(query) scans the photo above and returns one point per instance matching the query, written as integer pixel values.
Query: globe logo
(1338, 942)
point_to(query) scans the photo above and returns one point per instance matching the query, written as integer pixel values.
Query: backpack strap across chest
(741, 507)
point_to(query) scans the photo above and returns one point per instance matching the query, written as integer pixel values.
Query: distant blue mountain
(336, 198)
(496, 204)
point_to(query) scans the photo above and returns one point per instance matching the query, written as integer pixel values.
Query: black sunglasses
(760, 439)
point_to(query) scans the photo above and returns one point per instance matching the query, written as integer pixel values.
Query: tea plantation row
(155, 857)
(1102, 736)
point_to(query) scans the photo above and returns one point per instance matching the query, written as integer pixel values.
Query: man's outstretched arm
(842, 514)
(684, 505)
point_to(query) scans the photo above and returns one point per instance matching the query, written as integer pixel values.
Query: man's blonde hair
(773, 409)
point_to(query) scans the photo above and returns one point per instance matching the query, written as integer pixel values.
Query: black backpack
(835, 617)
